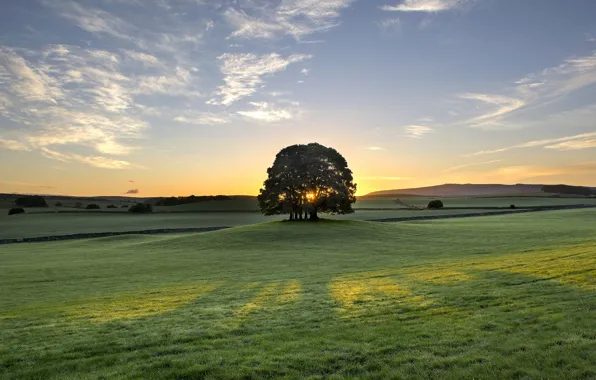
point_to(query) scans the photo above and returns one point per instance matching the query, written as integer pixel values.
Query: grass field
(52, 224)
(494, 297)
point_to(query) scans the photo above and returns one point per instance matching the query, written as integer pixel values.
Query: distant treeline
(174, 201)
(570, 190)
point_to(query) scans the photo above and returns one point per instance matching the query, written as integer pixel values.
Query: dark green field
(491, 298)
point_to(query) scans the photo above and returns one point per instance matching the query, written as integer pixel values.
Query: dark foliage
(436, 204)
(566, 189)
(175, 201)
(58, 204)
(16, 210)
(93, 206)
(512, 206)
(111, 206)
(79, 205)
(305, 180)
(124, 206)
(31, 201)
(141, 208)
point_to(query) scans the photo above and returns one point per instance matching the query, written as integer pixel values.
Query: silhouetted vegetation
(58, 204)
(79, 205)
(436, 204)
(569, 190)
(111, 206)
(512, 206)
(93, 206)
(141, 208)
(124, 206)
(175, 201)
(16, 210)
(31, 201)
(305, 180)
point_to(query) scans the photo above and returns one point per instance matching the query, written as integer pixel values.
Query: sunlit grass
(506, 297)
(139, 305)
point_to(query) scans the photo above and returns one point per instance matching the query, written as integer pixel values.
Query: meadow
(67, 220)
(493, 297)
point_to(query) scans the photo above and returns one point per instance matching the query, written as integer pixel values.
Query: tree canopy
(305, 180)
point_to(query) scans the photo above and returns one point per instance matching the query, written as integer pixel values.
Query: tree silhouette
(306, 180)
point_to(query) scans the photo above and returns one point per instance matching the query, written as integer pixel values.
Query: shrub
(125, 206)
(31, 201)
(436, 204)
(512, 206)
(141, 208)
(78, 205)
(92, 206)
(111, 206)
(58, 204)
(16, 210)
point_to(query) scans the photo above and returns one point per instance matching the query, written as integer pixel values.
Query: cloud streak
(417, 131)
(295, 18)
(425, 5)
(244, 73)
(457, 168)
(581, 141)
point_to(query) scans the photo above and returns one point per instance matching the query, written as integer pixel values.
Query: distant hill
(461, 190)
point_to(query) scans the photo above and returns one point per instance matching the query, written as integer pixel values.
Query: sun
(310, 196)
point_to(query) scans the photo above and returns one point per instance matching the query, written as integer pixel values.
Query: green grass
(49, 224)
(496, 297)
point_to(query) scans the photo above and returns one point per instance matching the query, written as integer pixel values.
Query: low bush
(58, 204)
(141, 208)
(436, 204)
(512, 206)
(92, 206)
(125, 206)
(31, 201)
(16, 210)
(111, 206)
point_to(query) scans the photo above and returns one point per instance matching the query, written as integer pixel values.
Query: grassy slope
(508, 296)
(49, 224)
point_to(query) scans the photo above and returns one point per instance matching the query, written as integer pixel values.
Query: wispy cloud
(581, 141)
(584, 143)
(456, 168)
(97, 161)
(268, 113)
(244, 73)
(390, 24)
(68, 95)
(535, 90)
(502, 105)
(204, 118)
(295, 18)
(417, 131)
(425, 5)
(133, 191)
(374, 148)
(13, 145)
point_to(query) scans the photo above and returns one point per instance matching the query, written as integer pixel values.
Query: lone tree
(305, 180)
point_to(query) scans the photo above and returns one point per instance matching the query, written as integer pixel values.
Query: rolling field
(53, 224)
(494, 297)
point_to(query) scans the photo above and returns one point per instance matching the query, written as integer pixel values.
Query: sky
(180, 97)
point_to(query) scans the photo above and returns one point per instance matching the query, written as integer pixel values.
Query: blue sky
(173, 97)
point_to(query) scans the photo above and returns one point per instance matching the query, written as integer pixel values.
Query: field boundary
(489, 213)
(108, 234)
(209, 229)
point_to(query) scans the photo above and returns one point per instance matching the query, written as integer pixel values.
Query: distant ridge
(459, 190)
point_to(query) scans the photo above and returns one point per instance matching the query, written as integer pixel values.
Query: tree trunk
(291, 215)
(313, 215)
(300, 214)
